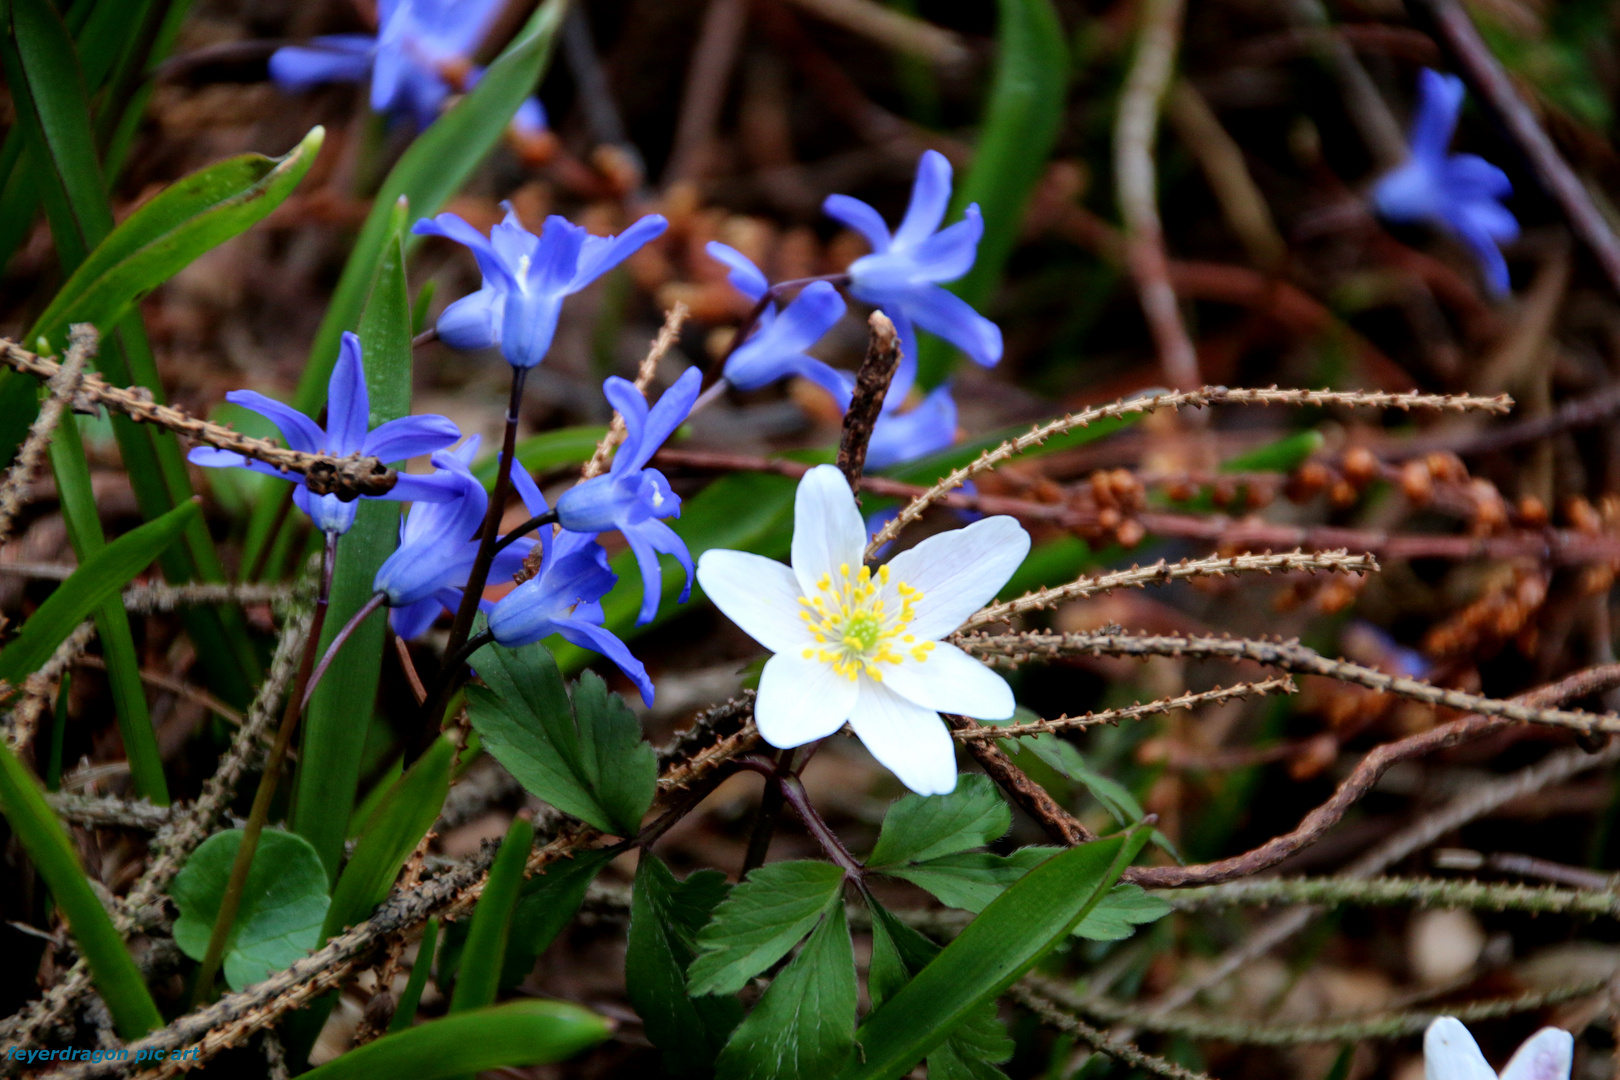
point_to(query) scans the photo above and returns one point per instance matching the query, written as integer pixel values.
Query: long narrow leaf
(479, 975)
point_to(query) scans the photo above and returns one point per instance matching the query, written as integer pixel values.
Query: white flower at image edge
(1450, 1053)
(863, 647)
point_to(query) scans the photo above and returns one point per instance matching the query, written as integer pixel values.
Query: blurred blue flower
(526, 279)
(776, 348)
(438, 544)
(632, 498)
(564, 597)
(1457, 193)
(903, 273)
(420, 54)
(348, 411)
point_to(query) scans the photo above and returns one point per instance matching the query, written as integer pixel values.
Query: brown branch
(1033, 799)
(865, 404)
(982, 733)
(60, 390)
(346, 477)
(668, 335)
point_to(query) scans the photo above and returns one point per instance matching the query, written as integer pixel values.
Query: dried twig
(983, 733)
(36, 688)
(347, 477)
(1033, 799)
(871, 385)
(106, 812)
(891, 28)
(1025, 993)
(60, 390)
(1397, 892)
(674, 319)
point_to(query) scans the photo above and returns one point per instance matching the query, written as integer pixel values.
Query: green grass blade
(1009, 936)
(405, 1011)
(335, 730)
(48, 845)
(1021, 124)
(480, 973)
(506, 1036)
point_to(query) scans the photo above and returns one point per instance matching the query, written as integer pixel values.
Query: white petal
(827, 528)
(959, 572)
(910, 741)
(758, 594)
(1450, 1053)
(801, 700)
(1546, 1055)
(951, 681)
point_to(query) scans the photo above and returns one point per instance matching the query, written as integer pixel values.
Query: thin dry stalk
(60, 390)
(674, 319)
(1049, 1013)
(347, 477)
(37, 688)
(149, 599)
(1227, 172)
(106, 812)
(1209, 395)
(891, 28)
(1163, 572)
(866, 401)
(1058, 724)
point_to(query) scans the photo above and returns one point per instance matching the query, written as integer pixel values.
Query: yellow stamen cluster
(853, 629)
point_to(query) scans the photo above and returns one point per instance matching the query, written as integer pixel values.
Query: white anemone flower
(863, 647)
(1450, 1053)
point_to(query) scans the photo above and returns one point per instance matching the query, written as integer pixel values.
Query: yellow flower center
(854, 630)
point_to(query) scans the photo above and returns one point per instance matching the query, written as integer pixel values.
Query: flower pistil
(853, 629)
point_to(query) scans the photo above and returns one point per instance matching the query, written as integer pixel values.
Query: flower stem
(765, 299)
(478, 576)
(338, 641)
(770, 808)
(788, 789)
(547, 518)
(231, 901)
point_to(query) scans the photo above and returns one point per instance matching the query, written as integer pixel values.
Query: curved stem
(231, 901)
(377, 600)
(426, 336)
(547, 518)
(790, 791)
(765, 298)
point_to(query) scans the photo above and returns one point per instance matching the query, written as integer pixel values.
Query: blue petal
(474, 321)
(1471, 176)
(452, 227)
(1409, 192)
(602, 253)
(511, 241)
(414, 620)
(533, 501)
(952, 318)
(210, 458)
(745, 277)
(930, 194)
(530, 118)
(860, 217)
(348, 404)
(329, 513)
(334, 58)
(1475, 233)
(528, 325)
(631, 406)
(652, 573)
(906, 373)
(928, 428)
(666, 541)
(589, 636)
(412, 487)
(509, 560)
(663, 418)
(299, 431)
(812, 313)
(1440, 99)
(949, 254)
(556, 258)
(410, 436)
(592, 506)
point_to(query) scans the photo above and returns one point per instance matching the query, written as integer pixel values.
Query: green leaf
(760, 921)
(803, 1028)
(1119, 913)
(479, 974)
(586, 758)
(1021, 122)
(388, 837)
(1006, 939)
(549, 901)
(513, 1035)
(405, 1011)
(161, 238)
(547, 450)
(917, 827)
(283, 903)
(665, 918)
(99, 580)
(335, 731)
(52, 851)
(971, 880)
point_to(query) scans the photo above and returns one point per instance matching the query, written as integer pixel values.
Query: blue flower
(564, 597)
(348, 407)
(526, 279)
(905, 436)
(419, 55)
(1457, 193)
(438, 544)
(631, 497)
(903, 273)
(776, 348)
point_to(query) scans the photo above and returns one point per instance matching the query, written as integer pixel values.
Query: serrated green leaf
(586, 758)
(950, 1062)
(283, 903)
(917, 828)
(479, 974)
(970, 880)
(94, 583)
(513, 1035)
(665, 918)
(1119, 913)
(804, 1026)
(760, 921)
(549, 901)
(1006, 939)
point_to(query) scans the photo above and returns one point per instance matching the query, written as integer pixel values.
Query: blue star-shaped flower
(632, 498)
(776, 348)
(1457, 193)
(348, 410)
(421, 47)
(526, 279)
(438, 544)
(902, 275)
(564, 597)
